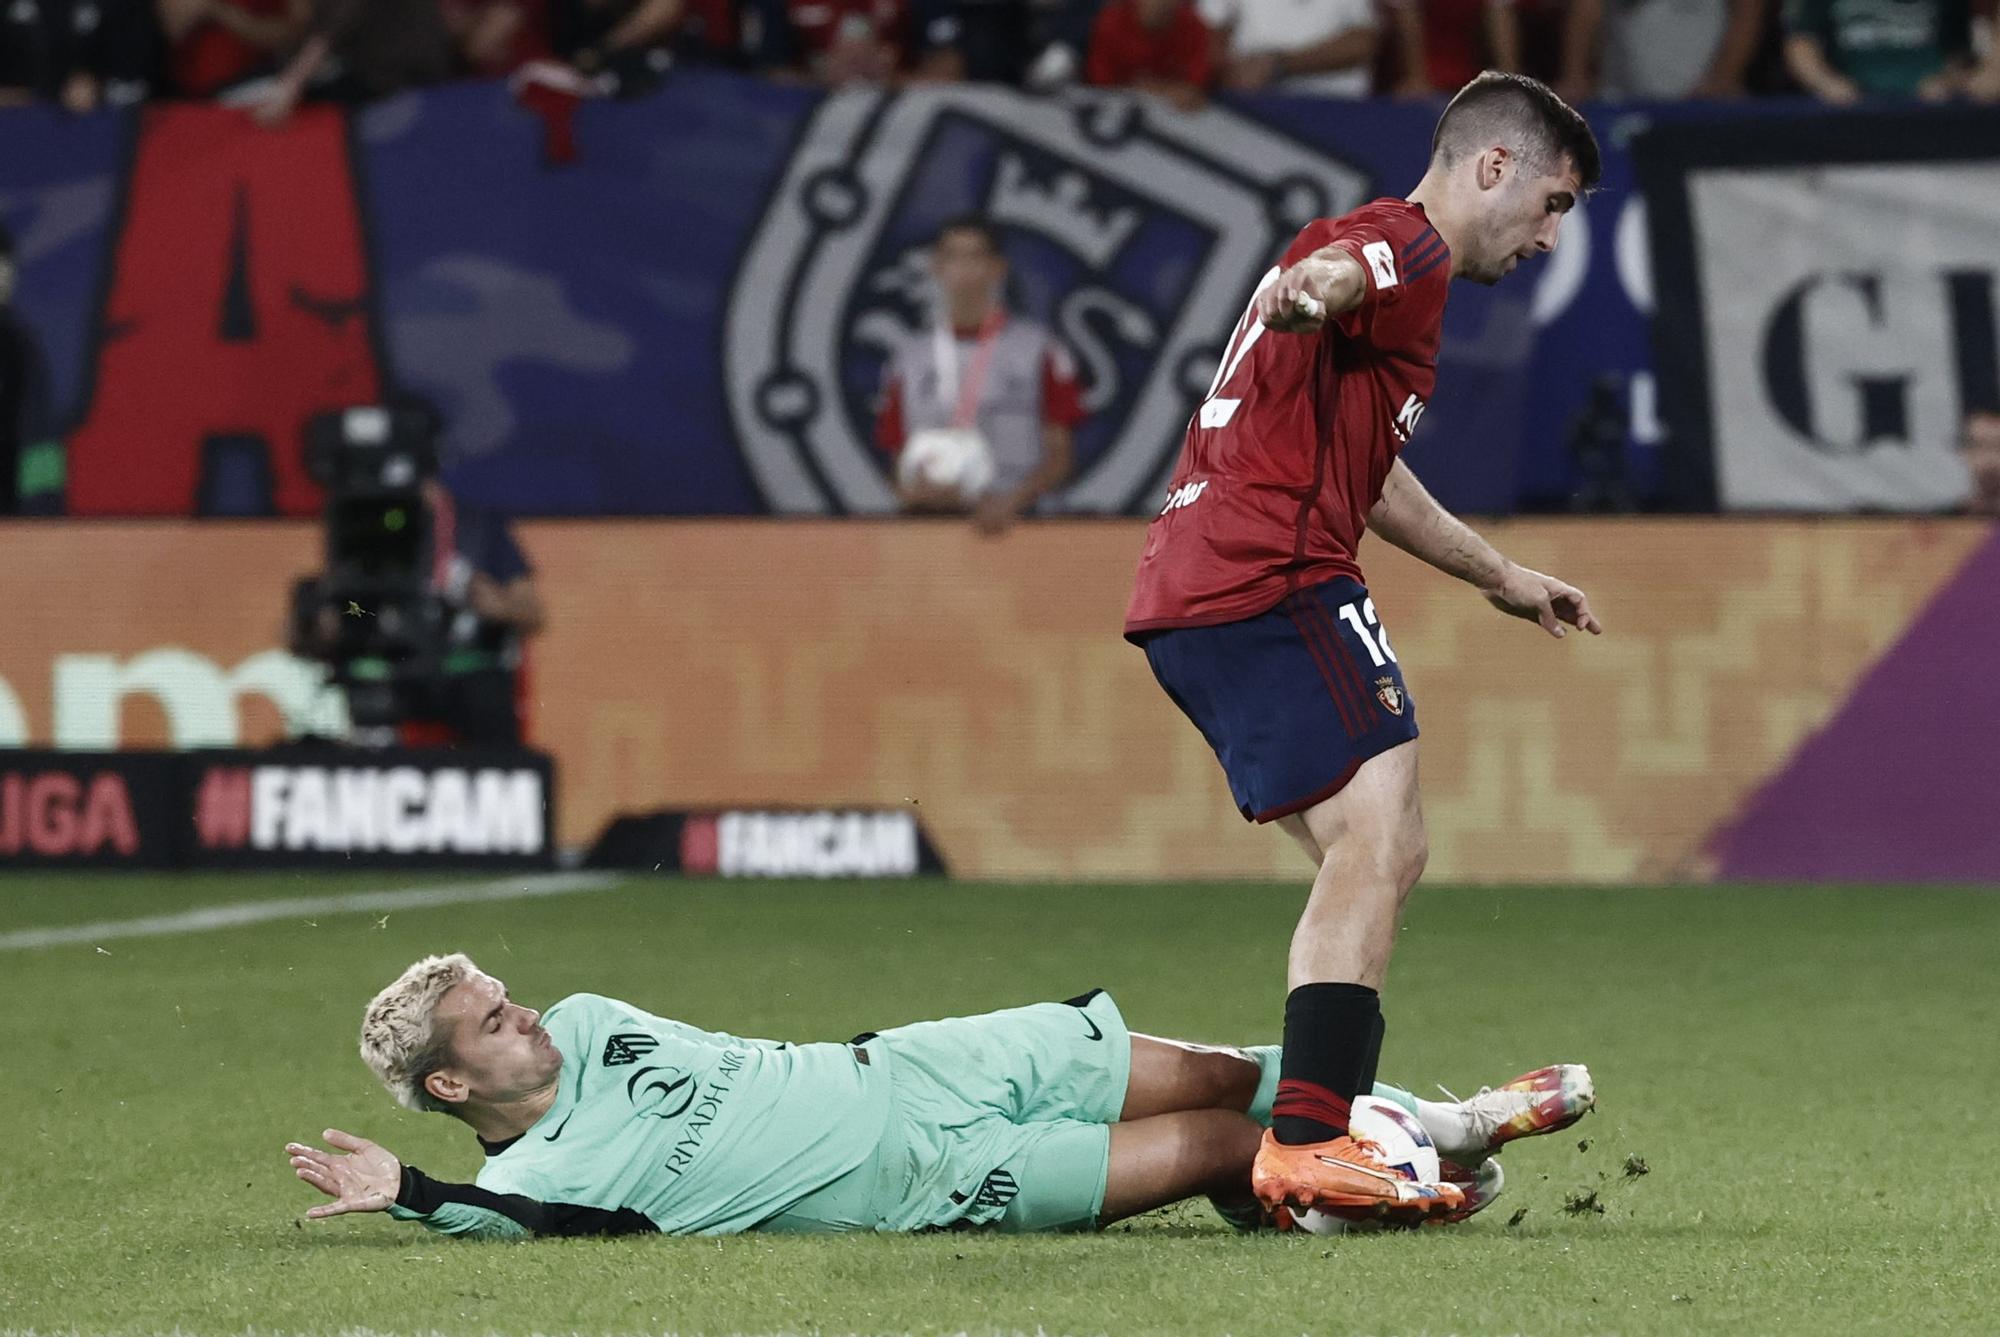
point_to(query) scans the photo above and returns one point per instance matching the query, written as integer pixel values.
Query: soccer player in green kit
(598, 1118)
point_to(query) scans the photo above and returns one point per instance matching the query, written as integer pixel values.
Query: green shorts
(1001, 1121)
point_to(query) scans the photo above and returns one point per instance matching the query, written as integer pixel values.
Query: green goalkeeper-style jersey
(658, 1125)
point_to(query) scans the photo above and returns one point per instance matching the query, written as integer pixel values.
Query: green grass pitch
(1808, 1075)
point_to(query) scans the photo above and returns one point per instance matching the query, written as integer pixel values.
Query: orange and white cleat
(1534, 1104)
(1345, 1177)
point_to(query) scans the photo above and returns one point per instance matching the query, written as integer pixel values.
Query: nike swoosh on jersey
(559, 1127)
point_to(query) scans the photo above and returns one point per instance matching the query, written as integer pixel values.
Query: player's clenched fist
(1323, 284)
(1294, 304)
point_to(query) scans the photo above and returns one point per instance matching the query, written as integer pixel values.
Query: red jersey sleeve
(1062, 402)
(1395, 250)
(889, 431)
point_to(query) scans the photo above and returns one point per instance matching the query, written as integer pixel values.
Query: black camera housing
(372, 616)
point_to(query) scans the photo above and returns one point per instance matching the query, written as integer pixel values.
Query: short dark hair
(1496, 107)
(978, 224)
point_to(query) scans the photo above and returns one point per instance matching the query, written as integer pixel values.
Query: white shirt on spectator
(1256, 26)
(1660, 48)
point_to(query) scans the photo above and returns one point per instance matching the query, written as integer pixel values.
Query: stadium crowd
(270, 53)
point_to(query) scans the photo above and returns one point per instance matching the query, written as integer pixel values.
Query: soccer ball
(1406, 1148)
(949, 457)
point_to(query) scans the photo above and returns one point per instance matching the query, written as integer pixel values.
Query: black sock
(1328, 1031)
(1366, 1086)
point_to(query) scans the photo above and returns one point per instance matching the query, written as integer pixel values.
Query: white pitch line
(204, 918)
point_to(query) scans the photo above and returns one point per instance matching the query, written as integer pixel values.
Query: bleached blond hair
(400, 1040)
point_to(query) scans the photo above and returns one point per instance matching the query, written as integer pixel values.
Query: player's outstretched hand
(1293, 304)
(1543, 599)
(366, 1179)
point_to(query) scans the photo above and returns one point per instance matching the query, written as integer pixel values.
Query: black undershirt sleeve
(422, 1194)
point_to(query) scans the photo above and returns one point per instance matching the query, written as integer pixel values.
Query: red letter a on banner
(238, 309)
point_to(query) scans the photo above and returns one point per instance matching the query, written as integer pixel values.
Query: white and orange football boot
(1534, 1104)
(1345, 1177)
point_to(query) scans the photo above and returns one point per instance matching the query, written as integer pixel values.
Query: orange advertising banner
(983, 682)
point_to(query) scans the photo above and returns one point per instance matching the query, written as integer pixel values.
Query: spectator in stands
(214, 44)
(24, 391)
(977, 366)
(987, 41)
(1439, 45)
(1979, 443)
(840, 42)
(1058, 40)
(711, 31)
(80, 53)
(1842, 51)
(362, 49)
(1160, 47)
(1322, 47)
(631, 39)
(496, 37)
(1659, 49)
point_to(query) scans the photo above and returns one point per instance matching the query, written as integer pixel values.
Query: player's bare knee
(1218, 1077)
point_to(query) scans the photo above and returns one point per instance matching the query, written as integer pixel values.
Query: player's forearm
(1411, 518)
(472, 1212)
(1334, 273)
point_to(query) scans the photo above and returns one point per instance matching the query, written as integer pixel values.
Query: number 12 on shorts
(1362, 617)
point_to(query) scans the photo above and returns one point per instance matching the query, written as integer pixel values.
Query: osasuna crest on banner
(1135, 232)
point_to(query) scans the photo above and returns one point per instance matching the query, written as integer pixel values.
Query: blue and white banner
(1829, 306)
(691, 318)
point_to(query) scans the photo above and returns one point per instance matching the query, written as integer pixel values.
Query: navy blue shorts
(1292, 700)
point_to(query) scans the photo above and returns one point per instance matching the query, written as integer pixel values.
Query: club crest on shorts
(1134, 232)
(1390, 695)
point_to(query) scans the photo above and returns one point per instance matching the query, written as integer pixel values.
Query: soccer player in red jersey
(1250, 606)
